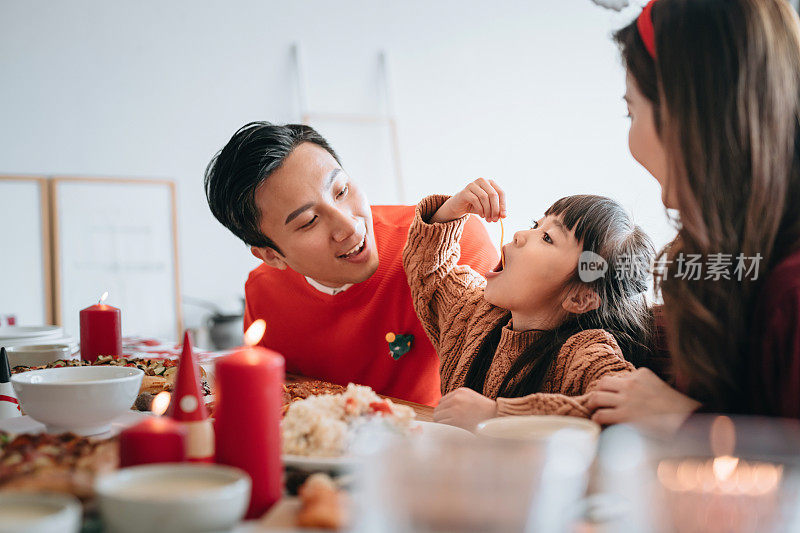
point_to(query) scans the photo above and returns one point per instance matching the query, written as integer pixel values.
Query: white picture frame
(120, 236)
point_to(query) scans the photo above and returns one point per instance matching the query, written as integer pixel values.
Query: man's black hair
(255, 151)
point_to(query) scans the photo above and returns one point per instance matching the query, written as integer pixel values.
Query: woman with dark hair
(552, 318)
(713, 92)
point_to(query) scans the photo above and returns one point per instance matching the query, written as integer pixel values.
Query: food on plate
(300, 390)
(63, 463)
(326, 425)
(323, 505)
(294, 391)
(55, 364)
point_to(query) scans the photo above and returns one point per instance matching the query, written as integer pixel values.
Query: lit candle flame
(724, 466)
(254, 333)
(160, 403)
(103, 297)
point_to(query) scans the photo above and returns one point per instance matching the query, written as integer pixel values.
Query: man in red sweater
(331, 288)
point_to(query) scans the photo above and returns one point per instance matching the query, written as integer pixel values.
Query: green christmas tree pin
(399, 345)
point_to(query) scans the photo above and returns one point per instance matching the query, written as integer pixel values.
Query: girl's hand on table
(464, 408)
(640, 397)
(482, 197)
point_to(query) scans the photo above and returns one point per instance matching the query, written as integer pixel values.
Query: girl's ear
(269, 256)
(582, 300)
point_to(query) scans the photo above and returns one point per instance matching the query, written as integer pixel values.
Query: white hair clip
(616, 5)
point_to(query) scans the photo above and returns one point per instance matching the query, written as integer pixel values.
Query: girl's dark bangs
(571, 210)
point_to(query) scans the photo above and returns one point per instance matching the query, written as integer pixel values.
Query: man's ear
(581, 301)
(270, 256)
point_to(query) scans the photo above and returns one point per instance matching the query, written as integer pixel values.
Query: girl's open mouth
(496, 270)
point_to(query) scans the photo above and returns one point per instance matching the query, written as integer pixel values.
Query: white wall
(526, 92)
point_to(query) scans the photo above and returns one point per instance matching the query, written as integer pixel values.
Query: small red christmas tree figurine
(188, 407)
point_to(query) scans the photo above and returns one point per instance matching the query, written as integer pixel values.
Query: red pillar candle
(101, 333)
(154, 440)
(248, 417)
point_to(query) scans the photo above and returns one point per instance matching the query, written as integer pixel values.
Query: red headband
(646, 31)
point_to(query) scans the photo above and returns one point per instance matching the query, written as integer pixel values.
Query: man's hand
(464, 408)
(640, 397)
(481, 197)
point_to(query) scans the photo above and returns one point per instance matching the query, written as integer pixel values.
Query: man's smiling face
(318, 218)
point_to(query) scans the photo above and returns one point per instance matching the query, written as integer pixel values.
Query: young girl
(714, 118)
(536, 334)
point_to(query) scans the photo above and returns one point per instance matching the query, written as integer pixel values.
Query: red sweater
(773, 377)
(774, 387)
(342, 338)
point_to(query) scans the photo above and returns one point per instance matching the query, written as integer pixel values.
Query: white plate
(30, 341)
(336, 464)
(26, 424)
(22, 332)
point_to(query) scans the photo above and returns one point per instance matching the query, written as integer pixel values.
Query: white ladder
(387, 118)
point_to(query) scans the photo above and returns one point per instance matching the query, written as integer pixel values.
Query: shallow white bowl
(83, 400)
(178, 497)
(22, 512)
(534, 428)
(38, 354)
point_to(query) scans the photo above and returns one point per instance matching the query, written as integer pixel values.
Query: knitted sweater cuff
(543, 404)
(432, 247)
(514, 406)
(443, 232)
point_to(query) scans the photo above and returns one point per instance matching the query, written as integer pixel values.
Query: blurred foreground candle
(154, 440)
(101, 333)
(248, 416)
(723, 494)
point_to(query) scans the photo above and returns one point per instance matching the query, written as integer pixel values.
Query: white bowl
(81, 399)
(22, 512)
(534, 428)
(173, 497)
(38, 354)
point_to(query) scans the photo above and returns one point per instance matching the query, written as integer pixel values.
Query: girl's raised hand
(482, 197)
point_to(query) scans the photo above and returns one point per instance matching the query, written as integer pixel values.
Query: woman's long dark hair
(726, 87)
(603, 227)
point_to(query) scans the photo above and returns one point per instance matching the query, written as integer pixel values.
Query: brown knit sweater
(448, 299)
